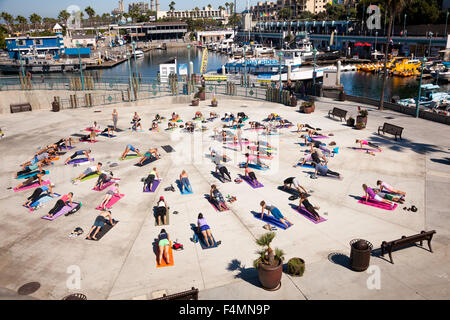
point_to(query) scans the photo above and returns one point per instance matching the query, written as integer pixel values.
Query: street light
(314, 71)
(280, 54)
(404, 25)
(189, 60)
(129, 74)
(245, 66)
(81, 67)
(446, 19)
(420, 87)
(376, 38)
(429, 46)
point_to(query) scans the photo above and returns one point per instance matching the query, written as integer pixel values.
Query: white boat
(139, 54)
(301, 74)
(431, 97)
(260, 50)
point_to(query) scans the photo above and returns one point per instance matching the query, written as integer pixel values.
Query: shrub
(267, 255)
(363, 113)
(296, 267)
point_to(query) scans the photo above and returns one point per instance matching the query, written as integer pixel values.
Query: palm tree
(35, 19)
(9, 19)
(63, 16)
(22, 22)
(209, 6)
(172, 6)
(90, 12)
(395, 8)
(227, 5)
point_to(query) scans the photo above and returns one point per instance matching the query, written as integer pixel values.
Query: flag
(204, 61)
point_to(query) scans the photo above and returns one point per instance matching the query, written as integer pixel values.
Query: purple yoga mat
(308, 215)
(155, 185)
(67, 148)
(64, 210)
(80, 160)
(247, 179)
(320, 137)
(111, 202)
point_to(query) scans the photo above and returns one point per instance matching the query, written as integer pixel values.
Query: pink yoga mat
(236, 144)
(106, 185)
(214, 206)
(34, 185)
(254, 157)
(111, 202)
(89, 129)
(88, 141)
(308, 215)
(366, 149)
(376, 204)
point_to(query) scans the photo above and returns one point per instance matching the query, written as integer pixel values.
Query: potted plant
(293, 101)
(350, 122)
(362, 117)
(195, 102)
(269, 263)
(296, 267)
(214, 102)
(201, 93)
(360, 125)
(308, 107)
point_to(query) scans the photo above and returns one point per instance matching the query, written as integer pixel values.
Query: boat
(260, 50)
(431, 97)
(139, 54)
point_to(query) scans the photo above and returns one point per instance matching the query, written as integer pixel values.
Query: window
(20, 42)
(38, 42)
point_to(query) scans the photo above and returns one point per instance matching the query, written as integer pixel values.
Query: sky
(51, 8)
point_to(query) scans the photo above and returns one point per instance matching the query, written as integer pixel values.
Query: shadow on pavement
(247, 274)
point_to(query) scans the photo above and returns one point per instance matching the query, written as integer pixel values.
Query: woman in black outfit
(311, 209)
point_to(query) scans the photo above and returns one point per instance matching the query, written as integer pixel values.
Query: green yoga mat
(129, 157)
(91, 176)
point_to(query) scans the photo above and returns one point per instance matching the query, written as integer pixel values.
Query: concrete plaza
(122, 264)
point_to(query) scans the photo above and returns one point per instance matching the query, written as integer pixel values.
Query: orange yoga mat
(163, 261)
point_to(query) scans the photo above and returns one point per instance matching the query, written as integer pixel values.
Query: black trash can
(55, 105)
(342, 95)
(360, 254)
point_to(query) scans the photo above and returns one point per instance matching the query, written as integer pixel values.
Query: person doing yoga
(78, 153)
(163, 245)
(129, 148)
(63, 143)
(109, 131)
(153, 152)
(309, 207)
(204, 229)
(113, 190)
(61, 203)
(389, 196)
(258, 161)
(223, 171)
(29, 169)
(324, 171)
(198, 115)
(102, 179)
(250, 174)
(89, 171)
(369, 192)
(184, 180)
(136, 122)
(32, 180)
(37, 194)
(154, 126)
(217, 199)
(293, 181)
(318, 157)
(385, 186)
(216, 152)
(148, 182)
(275, 212)
(115, 117)
(161, 211)
(300, 127)
(89, 137)
(99, 223)
(38, 157)
(367, 143)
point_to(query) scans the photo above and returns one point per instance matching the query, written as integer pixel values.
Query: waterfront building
(267, 11)
(18, 47)
(154, 31)
(84, 40)
(205, 13)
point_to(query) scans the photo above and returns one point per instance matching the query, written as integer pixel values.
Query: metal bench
(185, 295)
(392, 129)
(336, 112)
(20, 107)
(388, 247)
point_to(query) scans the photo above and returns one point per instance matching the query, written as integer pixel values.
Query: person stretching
(184, 180)
(204, 229)
(32, 180)
(164, 245)
(217, 198)
(309, 207)
(89, 171)
(214, 151)
(109, 131)
(148, 155)
(317, 156)
(370, 193)
(323, 171)
(389, 196)
(61, 203)
(37, 194)
(102, 179)
(154, 126)
(136, 122)
(161, 210)
(109, 194)
(367, 143)
(307, 158)
(223, 171)
(293, 181)
(148, 183)
(30, 169)
(115, 117)
(129, 148)
(64, 143)
(250, 174)
(384, 186)
(78, 153)
(275, 212)
(99, 223)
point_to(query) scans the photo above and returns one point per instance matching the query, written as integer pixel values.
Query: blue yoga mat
(252, 165)
(184, 192)
(29, 175)
(271, 220)
(201, 239)
(45, 199)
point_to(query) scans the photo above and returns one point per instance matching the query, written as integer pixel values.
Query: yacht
(431, 97)
(260, 50)
(139, 54)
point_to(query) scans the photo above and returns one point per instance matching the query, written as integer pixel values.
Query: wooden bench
(388, 247)
(392, 129)
(186, 295)
(20, 107)
(336, 112)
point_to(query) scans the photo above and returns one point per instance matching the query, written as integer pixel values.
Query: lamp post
(189, 60)
(429, 46)
(129, 74)
(245, 66)
(135, 62)
(446, 19)
(81, 68)
(280, 54)
(404, 25)
(376, 38)
(420, 87)
(314, 71)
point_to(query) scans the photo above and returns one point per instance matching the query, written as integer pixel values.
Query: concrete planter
(195, 103)
(214, 104)
(270, 277)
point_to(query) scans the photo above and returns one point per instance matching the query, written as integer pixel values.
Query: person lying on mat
(29, 169)
(275, 212)
(250, 174)
(129, 148)
(367, 143)
(32, 180)
(213, 115)
(161, 211)
(222, 170)
(148, 183)
(185, 184)
(63, 143)
(171, 125)
(153, 152)
(89, 171)
(204, 229)
(300, 127)
(164, 245)
(323, 171)
(86, 153)
(385, 186)
(242, 115)
(102, 179)
(61, 203)
(154, 126)
(369, 192)
(303, 161)
(389, 196)
(38, 157)
(293, 181)
(89, 137)
(113, 190)
(309, 207)
(136, 122)
(99, 223)
(216, 152)
(256, 125)
(37, 194)
(217, 198)
(109, 131)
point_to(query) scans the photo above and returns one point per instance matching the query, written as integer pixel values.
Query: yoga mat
(376, 204)
(103, 230)
(106, 135)
(163, 261)
(34, 185)
(247, 179)
(320, 137)
(65, 210)
(111, 202)
(214, 206)
(366, 149)
(80, 160)
(219, 177)
(42, 200)
(129, 157)
(162, 220)
(308, 166)
(252, 165)
(308, 215)
(168, 149)
(265, 157)
(271, 220)
(67, 148)
(32, 174)
(89, 141)
(237, 143)
(106, 185)
(90, 130)
(90, 176)
(184, 192)
(146, 162)
(155, 185)
(201, 239)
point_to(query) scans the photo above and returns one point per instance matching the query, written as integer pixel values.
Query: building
(267, 11)
(155, 31)
(138, 6)
(120, 10)
(57, 28)
(264, 11)
(205, 13)
(88, 40)
(18, 47)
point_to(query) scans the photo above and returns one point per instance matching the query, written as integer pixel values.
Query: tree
(9, 20)
(22, 22)
(3, 32)
(172, 6)
(395, 7)
(227, 5)
(63, 16)
(336, 11)
(90, 12)
(209, 6)
(35, 19)
(284, 14)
